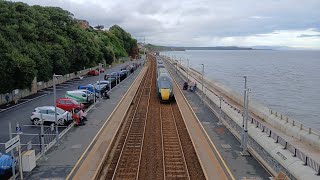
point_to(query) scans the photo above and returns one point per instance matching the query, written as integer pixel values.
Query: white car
(102, 82)
(63, 117)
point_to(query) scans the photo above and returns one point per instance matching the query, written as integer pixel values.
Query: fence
(296, 152)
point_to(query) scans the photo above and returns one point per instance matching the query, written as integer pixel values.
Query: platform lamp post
(55, 106)
(244, 137)
(202, 83)
(188, 70)
(220, 109)
(244, 109)
(245, 128)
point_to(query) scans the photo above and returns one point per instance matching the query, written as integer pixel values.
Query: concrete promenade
(62, 159)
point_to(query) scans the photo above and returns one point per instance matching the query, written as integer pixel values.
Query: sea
(287, 81)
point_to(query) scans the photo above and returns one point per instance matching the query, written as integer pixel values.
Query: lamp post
(244, 135)
(99, 79)
(202, 82)
(188, 70)
(220, 115)
(244, 106)
(55, 106)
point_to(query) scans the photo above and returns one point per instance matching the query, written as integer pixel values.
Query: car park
(93, 73)
(6, 163)
(82, 96)
(47, 114)
(69, 104)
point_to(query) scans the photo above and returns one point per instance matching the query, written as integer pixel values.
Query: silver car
(47, 114)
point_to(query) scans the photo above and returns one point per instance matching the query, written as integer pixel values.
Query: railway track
(153, 142)
(129, 162)
(173, 157)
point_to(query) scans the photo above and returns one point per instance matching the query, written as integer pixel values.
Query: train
(164, 82)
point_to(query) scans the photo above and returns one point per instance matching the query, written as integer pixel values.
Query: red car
(68, 104)
(93, 73)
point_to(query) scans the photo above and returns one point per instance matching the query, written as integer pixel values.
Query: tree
(39, 41)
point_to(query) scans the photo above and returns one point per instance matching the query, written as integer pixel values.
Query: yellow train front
(165, 88)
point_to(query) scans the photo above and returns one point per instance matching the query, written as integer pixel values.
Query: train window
(165, 84)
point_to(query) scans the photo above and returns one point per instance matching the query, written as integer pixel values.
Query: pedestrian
(76, 115)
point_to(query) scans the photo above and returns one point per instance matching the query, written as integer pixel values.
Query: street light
(244, 137)
(55, 106)
(202, 82)
(244, 106)
(220, 115)
(188, 70)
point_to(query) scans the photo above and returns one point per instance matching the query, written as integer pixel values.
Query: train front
(165, 91)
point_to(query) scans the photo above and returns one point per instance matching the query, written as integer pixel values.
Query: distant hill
(218, 48)
(174, 48)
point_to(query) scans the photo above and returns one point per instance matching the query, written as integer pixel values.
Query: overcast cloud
(294, 23)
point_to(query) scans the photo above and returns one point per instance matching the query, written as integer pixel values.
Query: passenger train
(164, 82)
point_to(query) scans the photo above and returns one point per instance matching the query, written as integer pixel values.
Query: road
(21, 114)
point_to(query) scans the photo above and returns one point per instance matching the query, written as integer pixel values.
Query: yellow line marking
(99, 132)
(208, 137)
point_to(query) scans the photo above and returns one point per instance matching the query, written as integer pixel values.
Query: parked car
(104, 83)
(101, 70)
(92, 88)
(81, 95)
(68, 104)
(48, 115)
(93, 73)
(6, 163)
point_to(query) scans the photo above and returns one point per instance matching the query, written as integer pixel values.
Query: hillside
(39, 41)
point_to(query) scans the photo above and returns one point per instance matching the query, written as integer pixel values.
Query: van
(82, 96)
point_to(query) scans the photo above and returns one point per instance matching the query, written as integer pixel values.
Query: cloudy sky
(293, 23)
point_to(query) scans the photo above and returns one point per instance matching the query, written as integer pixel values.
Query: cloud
(198, 22)
(308, 35)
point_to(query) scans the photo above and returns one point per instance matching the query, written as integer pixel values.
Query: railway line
(153, 142)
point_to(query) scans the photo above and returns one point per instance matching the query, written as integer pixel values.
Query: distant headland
(174, 48)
